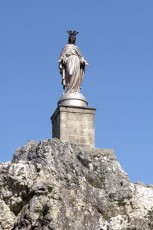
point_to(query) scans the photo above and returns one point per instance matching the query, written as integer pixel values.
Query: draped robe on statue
(72, 67)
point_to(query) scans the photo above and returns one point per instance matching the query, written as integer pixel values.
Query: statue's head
(72, 36)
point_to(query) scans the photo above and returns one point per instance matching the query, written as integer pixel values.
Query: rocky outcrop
(53, 185)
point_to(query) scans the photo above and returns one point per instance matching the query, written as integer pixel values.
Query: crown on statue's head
(72, 33)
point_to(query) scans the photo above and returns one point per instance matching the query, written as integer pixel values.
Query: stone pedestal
(74, 124)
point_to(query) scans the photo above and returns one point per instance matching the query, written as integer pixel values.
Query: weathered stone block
(74, 125)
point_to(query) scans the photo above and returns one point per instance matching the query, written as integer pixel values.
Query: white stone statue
(72, 65)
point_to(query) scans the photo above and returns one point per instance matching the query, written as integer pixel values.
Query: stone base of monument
(74, 124)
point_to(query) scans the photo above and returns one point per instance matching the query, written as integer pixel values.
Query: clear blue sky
(116, 37)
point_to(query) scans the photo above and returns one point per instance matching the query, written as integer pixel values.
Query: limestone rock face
(53, 185)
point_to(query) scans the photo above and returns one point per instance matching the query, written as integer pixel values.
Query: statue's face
(72, 39)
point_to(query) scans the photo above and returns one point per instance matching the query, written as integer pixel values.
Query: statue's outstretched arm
(62, 62)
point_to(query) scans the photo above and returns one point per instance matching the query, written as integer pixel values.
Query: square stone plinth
(74, 125)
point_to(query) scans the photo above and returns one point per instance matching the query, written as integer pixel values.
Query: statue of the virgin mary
(72, 65)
